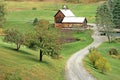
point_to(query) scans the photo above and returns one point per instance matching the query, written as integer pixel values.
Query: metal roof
(67, 12)
(73, 19)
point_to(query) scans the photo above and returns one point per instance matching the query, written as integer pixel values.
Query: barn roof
(73, 19)
(67, 12)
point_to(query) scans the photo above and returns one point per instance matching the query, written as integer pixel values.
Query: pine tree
(116, 13)
(2, 12)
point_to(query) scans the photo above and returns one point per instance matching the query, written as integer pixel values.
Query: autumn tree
(45, 39)
(98, 61)
(102, 65)
(14, 36)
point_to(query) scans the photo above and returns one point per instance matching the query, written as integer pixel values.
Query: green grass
(23, 10)
(115, 63)
(25, 63)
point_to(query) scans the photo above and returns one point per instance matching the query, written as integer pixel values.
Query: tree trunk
(41, 55)
(18, 47)
(109, 39)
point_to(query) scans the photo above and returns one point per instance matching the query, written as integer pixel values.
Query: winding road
(74, 68)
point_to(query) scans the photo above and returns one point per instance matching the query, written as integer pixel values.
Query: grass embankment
(114, 74)
(25, 63)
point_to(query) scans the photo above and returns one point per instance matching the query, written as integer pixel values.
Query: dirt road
(74, 67)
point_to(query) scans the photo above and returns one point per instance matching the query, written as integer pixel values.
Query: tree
(14, 36)
(2, 12)
(116, 12)
(45, 39)
(108, 17)
(104, 20)
(102, 65)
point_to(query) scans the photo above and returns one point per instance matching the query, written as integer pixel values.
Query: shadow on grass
(19, 51)
(90, 65)
(23, 55)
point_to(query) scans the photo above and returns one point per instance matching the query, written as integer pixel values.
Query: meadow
(25, 64)
(20, 15)
(114, 63)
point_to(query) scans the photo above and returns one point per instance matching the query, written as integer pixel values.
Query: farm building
(65, 18)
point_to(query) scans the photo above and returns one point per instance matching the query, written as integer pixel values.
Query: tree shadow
(92, 67)
(27, 56)
(18, 51)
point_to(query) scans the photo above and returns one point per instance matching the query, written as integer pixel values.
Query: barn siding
(59, 17)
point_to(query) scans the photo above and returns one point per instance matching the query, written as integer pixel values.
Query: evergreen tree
(116, 13)
(2, 13)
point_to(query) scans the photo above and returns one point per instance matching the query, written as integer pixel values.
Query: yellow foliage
(102, 65)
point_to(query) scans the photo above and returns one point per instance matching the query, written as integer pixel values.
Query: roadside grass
(25, 63)
(114, 63)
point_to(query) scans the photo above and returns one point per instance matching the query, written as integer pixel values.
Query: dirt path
(74, 67)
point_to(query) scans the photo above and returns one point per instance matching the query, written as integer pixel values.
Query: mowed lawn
(114, 74)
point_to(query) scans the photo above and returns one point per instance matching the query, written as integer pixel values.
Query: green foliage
(35, 21)
(116, 13)
(14, 36)
(113, 51)
(45, 39)
(104, 19)
(2, 12)
(102, 65)
(108, 16)
(34, 8)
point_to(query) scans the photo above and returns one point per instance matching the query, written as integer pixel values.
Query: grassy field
(21, 14)
(22, 11)
(114, 74)
(25, 63)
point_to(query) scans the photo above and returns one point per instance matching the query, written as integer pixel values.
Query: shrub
(102, 65)
(93, 56)
(35, 21)
(34, 8)
(113, 51)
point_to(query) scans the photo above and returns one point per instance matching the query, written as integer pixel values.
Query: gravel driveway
(74, 67)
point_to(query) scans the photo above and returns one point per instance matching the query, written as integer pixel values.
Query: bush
(102, 65)
(34, 8)
(98, 61)
(35, 21)
(93, 56)
(113, 51)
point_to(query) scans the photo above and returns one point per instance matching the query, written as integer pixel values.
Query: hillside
(24, 64)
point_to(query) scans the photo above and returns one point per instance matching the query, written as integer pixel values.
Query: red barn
(65, 18)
